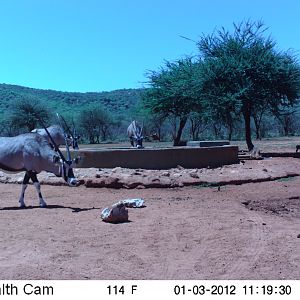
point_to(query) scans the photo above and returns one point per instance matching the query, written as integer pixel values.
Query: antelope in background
(134, 132)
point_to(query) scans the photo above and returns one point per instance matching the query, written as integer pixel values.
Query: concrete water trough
(207, 143)
(158, 158)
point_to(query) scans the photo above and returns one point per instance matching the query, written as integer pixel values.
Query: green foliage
(95, 123)
(243, 72)
(238, 76)
(198, 123)
(119, 102)
(174, 91)
(26, 113)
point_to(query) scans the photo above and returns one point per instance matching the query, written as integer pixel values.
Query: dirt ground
(244, 231)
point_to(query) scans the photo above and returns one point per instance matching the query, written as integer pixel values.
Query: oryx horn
(51, 139)
(69, 158)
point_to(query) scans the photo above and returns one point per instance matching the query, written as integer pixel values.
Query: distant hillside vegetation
(119, 102)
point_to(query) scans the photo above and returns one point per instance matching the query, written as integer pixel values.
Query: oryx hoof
(22, 205)
(43, 205)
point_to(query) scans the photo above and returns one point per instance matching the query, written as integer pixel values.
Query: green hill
(119, 102)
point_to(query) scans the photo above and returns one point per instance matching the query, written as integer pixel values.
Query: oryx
(32, 153)
(134, 132)
(58, 134)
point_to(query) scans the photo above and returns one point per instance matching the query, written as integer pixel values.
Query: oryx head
(138, 134)
(66, 172)
(65, 165)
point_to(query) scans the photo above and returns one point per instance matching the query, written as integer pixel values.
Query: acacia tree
(152, 123)
(95, 123)
(26, 113)
(257, 115)
(287, 120)
(198, 123)
(173, 92)
(8, 128)
(157, 121)
(244, 72)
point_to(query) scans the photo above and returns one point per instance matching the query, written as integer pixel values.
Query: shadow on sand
(74, 209)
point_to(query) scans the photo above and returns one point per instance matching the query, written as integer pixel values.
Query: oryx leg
(24, 186)
(132, 142)
(38, 188)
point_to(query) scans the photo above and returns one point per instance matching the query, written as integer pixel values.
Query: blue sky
(91, 45)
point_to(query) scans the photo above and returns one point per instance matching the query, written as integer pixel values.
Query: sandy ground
(247, 231)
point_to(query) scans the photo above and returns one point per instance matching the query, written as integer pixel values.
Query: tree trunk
(285, 129)
(257, 129)
(92, 140)
(257, 122)
(182, 123)
(230, 130)
(104, 132)
(193, 130)
(247, 118)
(217, 126)
(216, 132)
(258, 137)
(159, 133)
